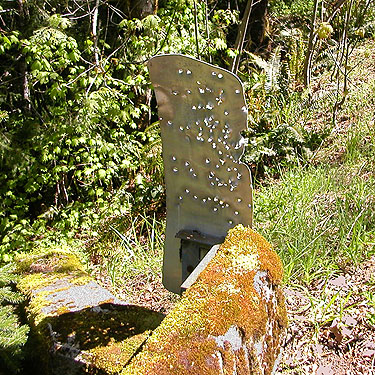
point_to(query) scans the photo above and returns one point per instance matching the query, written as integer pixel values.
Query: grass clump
(320, 219)
(129, 253)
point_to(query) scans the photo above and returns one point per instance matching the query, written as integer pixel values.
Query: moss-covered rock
(78, 326)
(231, 321)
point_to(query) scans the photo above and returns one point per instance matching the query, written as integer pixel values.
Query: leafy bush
(78, 121)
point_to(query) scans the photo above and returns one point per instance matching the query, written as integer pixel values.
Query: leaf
(151, 21)
(36, 65)
(336, 331)
(6, 40)
(220, 44)
(73, 56)
(102, 174)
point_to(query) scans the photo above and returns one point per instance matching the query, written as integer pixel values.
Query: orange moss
(223, 296)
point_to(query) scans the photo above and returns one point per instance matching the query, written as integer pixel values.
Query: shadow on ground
(100, 339)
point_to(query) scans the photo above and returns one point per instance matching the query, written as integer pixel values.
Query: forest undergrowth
(80, 154)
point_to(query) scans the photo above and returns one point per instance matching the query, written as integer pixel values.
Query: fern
(7, 295)
(271, 68)
(293, 42)
(273, 71)
(6, 275)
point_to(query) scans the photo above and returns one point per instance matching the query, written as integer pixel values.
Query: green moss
(35, 281)
(112, 358)
(108, 339)
(34, 310)
(62, 310)
(48, 260)
(223, 296)
(81, 279)
(45, 270)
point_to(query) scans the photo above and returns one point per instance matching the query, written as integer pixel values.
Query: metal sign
(202, 112)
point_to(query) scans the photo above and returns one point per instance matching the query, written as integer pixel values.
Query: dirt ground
(331, 331)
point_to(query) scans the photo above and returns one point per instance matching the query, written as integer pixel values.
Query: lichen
(223, 296)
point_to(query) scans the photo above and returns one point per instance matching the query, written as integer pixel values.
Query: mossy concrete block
(78, 326)
(231, 321)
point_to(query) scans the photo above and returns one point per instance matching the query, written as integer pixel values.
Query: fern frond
(14, 338)
(273, 70)
(263, 64)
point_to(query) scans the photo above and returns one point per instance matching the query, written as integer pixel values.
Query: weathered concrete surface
(231, 321)
(78, 326)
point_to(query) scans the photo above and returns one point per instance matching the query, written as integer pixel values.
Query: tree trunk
(141, 8)
(257, 25)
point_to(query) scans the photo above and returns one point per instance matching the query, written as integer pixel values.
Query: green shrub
(13, 335)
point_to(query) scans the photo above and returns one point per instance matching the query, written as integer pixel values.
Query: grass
(132, 255)
(319, 218)
(320, 214)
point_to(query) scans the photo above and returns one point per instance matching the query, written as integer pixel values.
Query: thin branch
(345, 51)
(116, 10)
(310, 48)
(89, 88)
(106, 31)
(337, 7)
(79, 76)
(95, 31)
(241, 36)
(122, 45)
(207, 31)
(196, 28)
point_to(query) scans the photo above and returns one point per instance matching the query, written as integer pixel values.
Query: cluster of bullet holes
(209, 129)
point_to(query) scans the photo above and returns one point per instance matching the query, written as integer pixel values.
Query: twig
(95, 31)
(79, 76)
(89, 88)
(310, 48)
(196, 28)
(344, 54)
(241, 36)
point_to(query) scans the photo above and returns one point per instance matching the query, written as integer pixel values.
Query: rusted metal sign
(202, 112)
